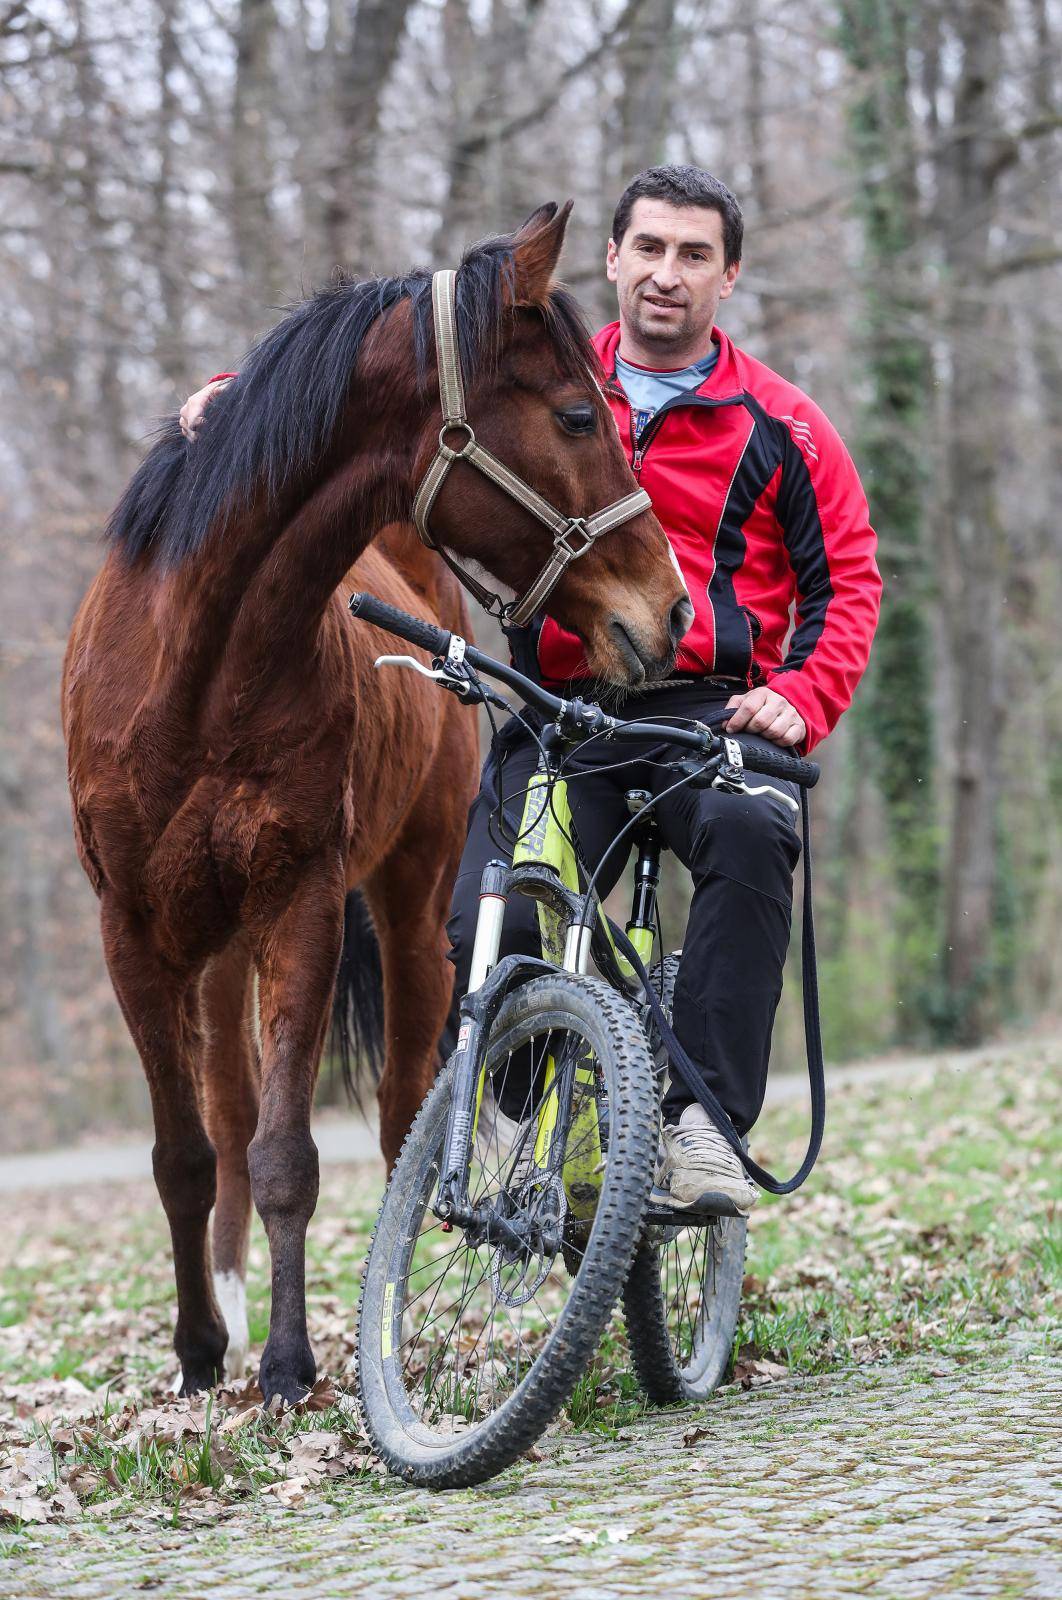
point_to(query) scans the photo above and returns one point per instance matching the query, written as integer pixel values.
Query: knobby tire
(586, 1007)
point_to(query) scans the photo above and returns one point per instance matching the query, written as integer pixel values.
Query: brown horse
(235, 764)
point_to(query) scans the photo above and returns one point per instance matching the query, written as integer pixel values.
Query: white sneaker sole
(710, 1203)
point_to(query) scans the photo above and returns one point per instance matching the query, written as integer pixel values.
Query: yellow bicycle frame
(545, 840)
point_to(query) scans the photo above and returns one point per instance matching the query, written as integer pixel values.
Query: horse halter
(572, 536)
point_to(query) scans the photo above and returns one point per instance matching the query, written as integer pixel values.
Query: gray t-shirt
(647, 389)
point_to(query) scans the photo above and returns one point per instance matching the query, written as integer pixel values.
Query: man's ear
(611, 254)
(536, 251)
(730, 277)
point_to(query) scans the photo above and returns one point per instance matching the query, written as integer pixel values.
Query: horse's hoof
(193, 1383)
(202, 1360)
(289, 1373)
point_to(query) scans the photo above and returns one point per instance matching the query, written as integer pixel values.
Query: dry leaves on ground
(205, 1453)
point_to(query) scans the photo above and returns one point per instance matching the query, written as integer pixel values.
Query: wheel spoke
(469, 1347)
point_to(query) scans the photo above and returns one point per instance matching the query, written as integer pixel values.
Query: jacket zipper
(641, 443)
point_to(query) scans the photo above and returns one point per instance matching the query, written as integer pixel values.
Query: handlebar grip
(779, 764)
(425, 634)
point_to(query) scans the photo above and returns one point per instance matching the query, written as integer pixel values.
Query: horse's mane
(275, 421)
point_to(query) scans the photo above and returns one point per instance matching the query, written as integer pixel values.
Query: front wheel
(468, 1347)
(682, 1298)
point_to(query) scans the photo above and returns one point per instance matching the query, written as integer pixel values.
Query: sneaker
(696, 1168)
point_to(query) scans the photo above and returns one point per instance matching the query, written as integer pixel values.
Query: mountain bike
(521, 1206)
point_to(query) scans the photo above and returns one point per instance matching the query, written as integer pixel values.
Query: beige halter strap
(572, 536)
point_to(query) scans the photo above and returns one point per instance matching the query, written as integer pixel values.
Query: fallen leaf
(238, 1420)
(290, 1492)
(321, 1397)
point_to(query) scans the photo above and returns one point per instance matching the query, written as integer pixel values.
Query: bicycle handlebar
(773, 763)
(366, 606)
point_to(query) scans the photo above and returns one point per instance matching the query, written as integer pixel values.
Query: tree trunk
(109, 396)
(774, 312)
(489, 188)
(972, 537)
(253, 222)
(895, 713)
(172, 260)
(362, 76)
(648, 62)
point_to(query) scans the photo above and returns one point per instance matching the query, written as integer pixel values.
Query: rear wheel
(682, 1298)
(470, 1341)
(681, 1302)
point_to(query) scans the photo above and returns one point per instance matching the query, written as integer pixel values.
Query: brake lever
(727, 771)
(472, 690)
(437, 674)
(769, 788)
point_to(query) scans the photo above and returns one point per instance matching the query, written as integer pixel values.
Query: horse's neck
(321, 542)
(255, 602)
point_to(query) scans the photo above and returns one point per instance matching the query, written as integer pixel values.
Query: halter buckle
(446, 450)
(577, 525)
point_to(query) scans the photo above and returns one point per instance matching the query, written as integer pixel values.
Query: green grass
(931, 1222)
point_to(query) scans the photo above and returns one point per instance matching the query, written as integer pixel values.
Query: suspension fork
(470, 1065)
(488, 981)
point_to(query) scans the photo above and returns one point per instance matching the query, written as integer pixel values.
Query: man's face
(670, 276)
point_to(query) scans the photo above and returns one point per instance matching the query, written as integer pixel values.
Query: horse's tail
(358, 1007)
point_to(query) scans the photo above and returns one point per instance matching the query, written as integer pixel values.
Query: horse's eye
(577, 419)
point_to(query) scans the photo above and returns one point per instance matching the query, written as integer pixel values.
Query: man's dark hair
(684, 186)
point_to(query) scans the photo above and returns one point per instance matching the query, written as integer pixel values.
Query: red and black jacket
(764, 510)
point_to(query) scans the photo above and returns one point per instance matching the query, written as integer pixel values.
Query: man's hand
(764, 712)
(196, 404)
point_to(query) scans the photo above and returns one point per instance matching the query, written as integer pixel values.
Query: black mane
(277, 418)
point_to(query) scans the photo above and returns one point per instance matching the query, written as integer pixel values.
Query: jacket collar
(722, 382)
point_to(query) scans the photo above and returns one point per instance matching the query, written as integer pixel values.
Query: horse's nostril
(680, 620)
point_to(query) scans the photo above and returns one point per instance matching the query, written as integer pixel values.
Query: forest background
(174, 171)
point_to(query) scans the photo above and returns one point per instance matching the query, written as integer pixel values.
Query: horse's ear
(536, 251)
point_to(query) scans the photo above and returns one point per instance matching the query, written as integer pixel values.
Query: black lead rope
(690, 1074)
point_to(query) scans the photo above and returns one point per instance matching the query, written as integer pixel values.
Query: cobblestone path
(920, 1479)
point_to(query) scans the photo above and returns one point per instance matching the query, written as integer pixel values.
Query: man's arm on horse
(191, 413)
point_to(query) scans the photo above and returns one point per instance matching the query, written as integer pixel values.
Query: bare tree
(362, 74)
(972, 534)
(648, 58)
(169, 234)
(254, 222)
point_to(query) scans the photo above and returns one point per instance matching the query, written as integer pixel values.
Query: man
(764, 510)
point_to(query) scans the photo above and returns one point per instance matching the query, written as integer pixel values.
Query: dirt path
(342, 1139)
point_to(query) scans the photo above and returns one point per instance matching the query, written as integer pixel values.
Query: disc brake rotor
(517, 1275)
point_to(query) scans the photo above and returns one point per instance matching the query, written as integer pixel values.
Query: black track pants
(740, 852)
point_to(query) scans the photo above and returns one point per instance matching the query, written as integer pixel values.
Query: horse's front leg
(297, 961)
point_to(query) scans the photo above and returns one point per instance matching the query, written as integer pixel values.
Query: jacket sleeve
(825, 523)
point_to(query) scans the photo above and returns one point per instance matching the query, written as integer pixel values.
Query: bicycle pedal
(710, 1205)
